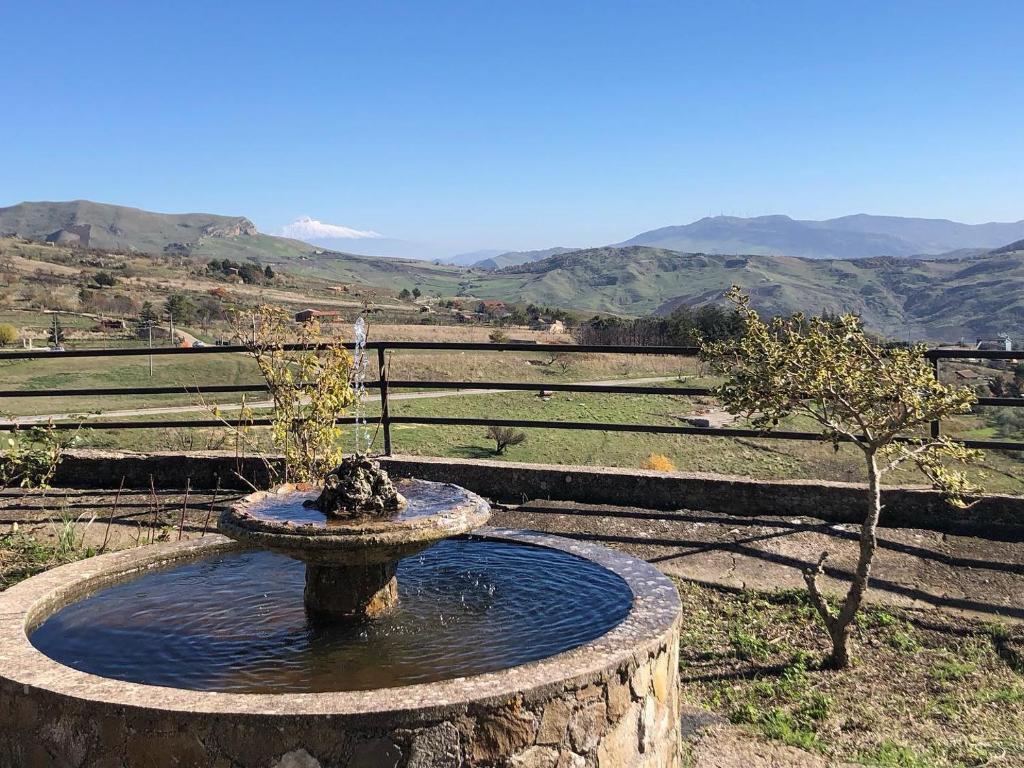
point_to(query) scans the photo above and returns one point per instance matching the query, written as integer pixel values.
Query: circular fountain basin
(607, 696)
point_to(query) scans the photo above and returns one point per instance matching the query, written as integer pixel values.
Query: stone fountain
(356, 625)
(352, 532)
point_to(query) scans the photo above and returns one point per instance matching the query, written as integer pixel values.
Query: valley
(936, 299)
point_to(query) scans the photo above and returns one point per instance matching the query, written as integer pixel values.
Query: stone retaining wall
(996, 516)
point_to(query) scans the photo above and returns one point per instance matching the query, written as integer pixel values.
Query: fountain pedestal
(351, 561)
(351, 593)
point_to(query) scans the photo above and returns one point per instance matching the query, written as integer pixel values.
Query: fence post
(385, 419)
(936, 424)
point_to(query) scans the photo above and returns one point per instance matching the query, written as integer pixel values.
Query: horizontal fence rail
(385, 420)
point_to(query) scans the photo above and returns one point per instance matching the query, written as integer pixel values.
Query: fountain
(352, 533)
(358, 624)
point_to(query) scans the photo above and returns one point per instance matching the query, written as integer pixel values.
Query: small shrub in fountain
(310, 388)
(504, 437)
(878, 399)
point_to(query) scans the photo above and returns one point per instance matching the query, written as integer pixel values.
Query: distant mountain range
(849, 237)
(514, 258)
(861, 236)
(977, 289)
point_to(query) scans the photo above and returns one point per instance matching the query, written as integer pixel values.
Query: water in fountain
(361, 366)
(235, 622)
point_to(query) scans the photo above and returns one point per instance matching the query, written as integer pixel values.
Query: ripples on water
(236, 622)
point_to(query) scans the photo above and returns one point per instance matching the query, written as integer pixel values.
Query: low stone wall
(612, 702)
(996, 516)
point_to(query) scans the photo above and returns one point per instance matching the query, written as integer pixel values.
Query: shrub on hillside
(8, 334)
(659, 463)
(504, 437)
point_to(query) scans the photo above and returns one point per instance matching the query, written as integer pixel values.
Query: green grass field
(759, 458)
(44, 375)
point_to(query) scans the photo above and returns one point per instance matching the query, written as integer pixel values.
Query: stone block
(649, 723)
(376, 753)
(587, 725)
(553, 722)
(535, 757)
(297, 758)
(590, 692)
(662, 683)
(641, 680)
(619, 699)
(568, 759)
(621, 746)
(501, 733)
(436, 747)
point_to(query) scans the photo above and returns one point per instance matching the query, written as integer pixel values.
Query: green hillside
(899, 297)
(204, 236)
(938, 299)
(115, 227)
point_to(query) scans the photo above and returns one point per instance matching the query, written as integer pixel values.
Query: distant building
(310, 314)
(556, 327)
(1003, 343)
(493, 308)
(966, 374)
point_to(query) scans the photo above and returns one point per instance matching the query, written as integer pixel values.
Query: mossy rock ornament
(358, 487)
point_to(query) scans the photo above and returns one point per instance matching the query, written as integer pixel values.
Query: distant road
(264, 404)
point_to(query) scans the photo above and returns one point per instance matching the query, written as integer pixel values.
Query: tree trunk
(841, 626)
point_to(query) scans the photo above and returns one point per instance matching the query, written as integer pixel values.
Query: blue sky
(468, 125)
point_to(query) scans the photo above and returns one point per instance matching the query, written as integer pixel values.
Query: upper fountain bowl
(281, 520)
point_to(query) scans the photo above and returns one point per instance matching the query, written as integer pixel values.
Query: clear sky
(517, 124)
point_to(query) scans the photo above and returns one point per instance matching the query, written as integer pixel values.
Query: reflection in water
(236, 622)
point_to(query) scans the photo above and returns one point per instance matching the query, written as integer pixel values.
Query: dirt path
(967, 575)
(263, 404)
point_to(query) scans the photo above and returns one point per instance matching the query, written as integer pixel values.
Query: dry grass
(659, 463)
(444, 333)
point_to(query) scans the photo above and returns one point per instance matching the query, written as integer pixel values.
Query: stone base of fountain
(611, 701)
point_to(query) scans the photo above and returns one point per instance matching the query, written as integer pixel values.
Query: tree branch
(817, 600)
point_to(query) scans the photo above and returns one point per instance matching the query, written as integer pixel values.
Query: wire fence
(387, 386)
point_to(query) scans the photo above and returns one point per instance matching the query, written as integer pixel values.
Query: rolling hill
(514, 258)
(968, 295)
(115, 227)
(904, 298)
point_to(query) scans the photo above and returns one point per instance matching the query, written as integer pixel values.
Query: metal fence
(387, 385)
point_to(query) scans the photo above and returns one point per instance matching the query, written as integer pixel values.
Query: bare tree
(504, 437)
(880, 400)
